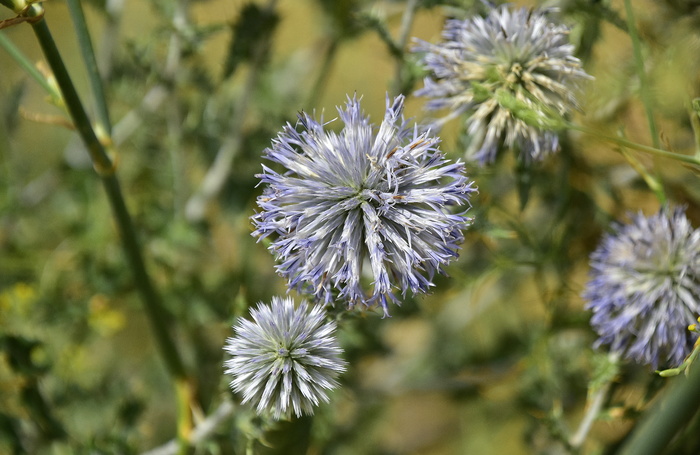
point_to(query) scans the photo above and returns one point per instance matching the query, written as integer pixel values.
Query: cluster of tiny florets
(510, 73)
(357, 215)
(285, 359)
(644, 288)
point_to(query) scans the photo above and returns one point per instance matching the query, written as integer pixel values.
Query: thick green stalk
(155, 310)
(667, 417)
(87, 51)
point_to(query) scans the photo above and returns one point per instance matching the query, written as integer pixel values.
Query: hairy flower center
(366, 195)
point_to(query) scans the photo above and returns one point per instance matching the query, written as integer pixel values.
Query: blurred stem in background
(645, 95)
(695, 123)
(155, 311)
(644, 89)
(180, 23)
(688, 159)
(88, 54)
(220, 170)
(406, 23)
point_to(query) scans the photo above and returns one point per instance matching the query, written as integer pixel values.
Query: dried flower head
(361, 196)
(644, 288)
(284, 360)
(512, 72)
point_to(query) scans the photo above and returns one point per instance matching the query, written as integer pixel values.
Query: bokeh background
(497, 360)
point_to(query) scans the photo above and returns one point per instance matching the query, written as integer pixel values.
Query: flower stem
(695, 124)
(402, 39)
(594, 406)
(635, 146)
(155, 310)
(641, 73)
(652, 182)
(87, 51)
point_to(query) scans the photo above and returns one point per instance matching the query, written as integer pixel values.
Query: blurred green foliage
(497, 360)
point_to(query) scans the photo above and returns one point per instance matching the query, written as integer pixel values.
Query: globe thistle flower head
(512, 72)
(285, 359)
(361, 201)
(644, 288)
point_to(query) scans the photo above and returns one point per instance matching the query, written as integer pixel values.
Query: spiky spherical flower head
(361, 200)
(513, 73)
(644, 288)
(285, 359)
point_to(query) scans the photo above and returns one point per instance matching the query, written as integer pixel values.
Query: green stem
(695, 124)
(402, 39)
(633, 145)
(87, 51)
(641, 72)
(670, 413)
(652, 182)
(155, 310)
(27, 66)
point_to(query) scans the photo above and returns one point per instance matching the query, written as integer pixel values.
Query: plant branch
(594, 407)
(633, 145)
(641, 73)
(219, 171)
(406, 23)
(88, 54)
(155, 310)
(201, 432)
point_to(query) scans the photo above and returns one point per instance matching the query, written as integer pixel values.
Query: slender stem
(27, 66)
(695, 124)
(216, 175)
(594, 407)
(672, 411)
(203, 430)
(174, 115)
(155, 310)
(652, 182)
(110, 33)
(641, 72)
(406, 23)
(633, 145)
(6, 160)
(88, 53)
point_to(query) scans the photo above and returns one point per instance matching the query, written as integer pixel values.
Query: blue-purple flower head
(644, 288)
(512, 73)
(285, 359)
(363, 213)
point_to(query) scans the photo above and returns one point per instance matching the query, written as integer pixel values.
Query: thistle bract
(285, 359)
(361, 201)
(513, 73)
(644, 288)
